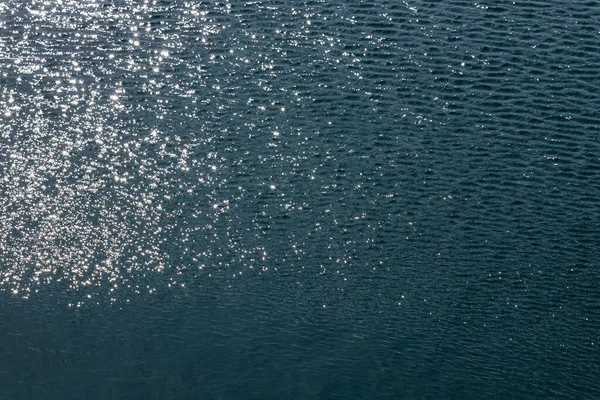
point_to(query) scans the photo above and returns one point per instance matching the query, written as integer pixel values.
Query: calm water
(299, 200)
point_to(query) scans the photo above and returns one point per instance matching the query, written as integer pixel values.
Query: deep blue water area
(299, 199)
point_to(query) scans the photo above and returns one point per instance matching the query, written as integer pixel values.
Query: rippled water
(271, 199)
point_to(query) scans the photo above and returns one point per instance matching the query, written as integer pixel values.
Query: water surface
(271, 199)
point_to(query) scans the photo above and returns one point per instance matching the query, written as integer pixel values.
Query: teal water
(268, 199)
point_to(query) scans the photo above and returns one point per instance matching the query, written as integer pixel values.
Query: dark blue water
(301, 200)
